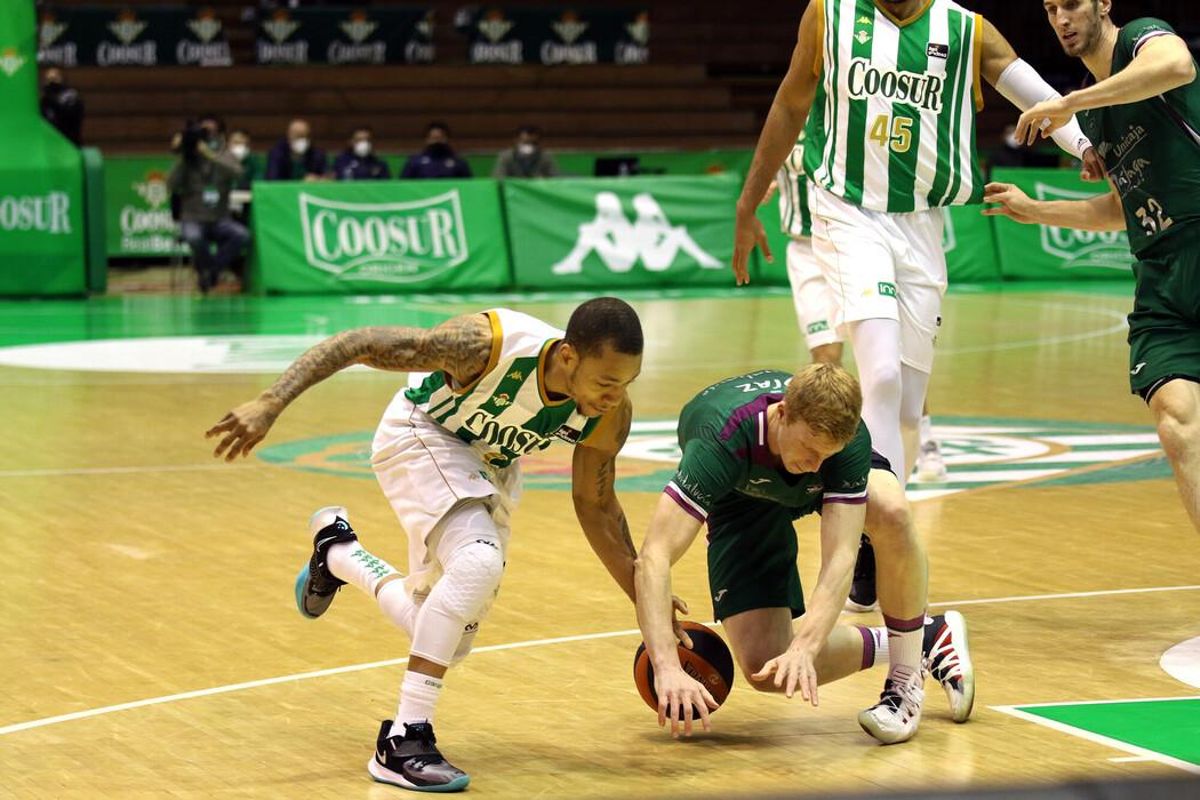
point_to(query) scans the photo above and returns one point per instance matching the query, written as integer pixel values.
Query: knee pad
(470, 580)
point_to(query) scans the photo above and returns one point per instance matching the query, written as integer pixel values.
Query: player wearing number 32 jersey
(1143, 112)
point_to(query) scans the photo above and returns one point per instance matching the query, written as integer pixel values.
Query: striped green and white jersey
(794, 217)
(506, 412)
(892, 126)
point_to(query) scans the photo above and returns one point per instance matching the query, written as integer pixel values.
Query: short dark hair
(605, 321)
(532, 130)
(213, 118)
(437, 126)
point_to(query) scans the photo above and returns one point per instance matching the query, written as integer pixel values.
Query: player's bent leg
(757, 636)
(914, 384)
(902, 578)
(1176, 408)
(316, 585)
(876, 344)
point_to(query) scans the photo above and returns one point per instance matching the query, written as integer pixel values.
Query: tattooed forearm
(460, 346)
(604, 479)
(628, 539)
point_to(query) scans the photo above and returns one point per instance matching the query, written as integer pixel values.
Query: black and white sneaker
(412, 761)
(897, 715)
(862, 588)
(315, 584)
(947, 657)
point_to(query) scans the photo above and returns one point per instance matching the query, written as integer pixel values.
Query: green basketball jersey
(1151, 148)
(506, 412)
(795, 219)
(892, 125)
(723, 436)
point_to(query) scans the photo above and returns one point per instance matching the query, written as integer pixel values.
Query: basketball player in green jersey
(1144, 114)
(759, 451)
(893, 87)
(446, 454)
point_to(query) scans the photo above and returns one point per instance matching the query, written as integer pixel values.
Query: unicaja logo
(650, 239)
(390, 242)
(10, 61)
(1107, 250)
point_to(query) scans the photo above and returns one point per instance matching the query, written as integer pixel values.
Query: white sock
(418, 695)
(905, 638)
(926, 430)
(376, 578)
(875, 646)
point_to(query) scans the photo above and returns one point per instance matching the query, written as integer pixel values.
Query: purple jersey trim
(850, 501)
(684, 502)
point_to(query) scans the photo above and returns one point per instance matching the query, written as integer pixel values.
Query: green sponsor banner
(386, 236)
(345, 36)
(571, 36)
(70, 36)
(1048, 252)
(42, 248)
(139, 208)
(615, 232)
(969, 241)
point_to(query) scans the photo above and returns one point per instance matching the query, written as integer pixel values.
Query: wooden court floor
(150, 645)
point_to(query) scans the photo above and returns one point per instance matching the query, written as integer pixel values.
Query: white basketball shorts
(883, 266)
(815, 306)
(426, 471)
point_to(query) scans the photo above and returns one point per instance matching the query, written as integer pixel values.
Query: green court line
(1163, 729)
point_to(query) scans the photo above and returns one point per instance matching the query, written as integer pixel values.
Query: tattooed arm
(460, 346)
(593, 474)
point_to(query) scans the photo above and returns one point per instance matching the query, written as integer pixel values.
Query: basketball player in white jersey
(893, 87)
(500, 385)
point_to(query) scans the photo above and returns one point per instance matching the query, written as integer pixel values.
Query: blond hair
(828, 400)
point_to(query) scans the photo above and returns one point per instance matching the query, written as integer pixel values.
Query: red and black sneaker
(946, 656)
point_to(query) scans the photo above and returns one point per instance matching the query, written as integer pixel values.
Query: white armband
(1022, 86)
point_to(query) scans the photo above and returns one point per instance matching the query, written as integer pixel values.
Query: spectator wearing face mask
(62, 106)
(293, 158)
(252, 166)
(438, 159)
(358, 161)
(526, 158)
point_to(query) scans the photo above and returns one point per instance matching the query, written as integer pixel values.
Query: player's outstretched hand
(678, 606)
(244, 427)
(1010, 202)
(794, 668)
(747, 233)
(677, 690)
(1093, 166)
(1044, 118)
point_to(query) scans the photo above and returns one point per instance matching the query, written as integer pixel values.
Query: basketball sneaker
(895, 717)
(931, 467)
(412, 761)
(862, 588)
(315, 584)
(946, 656)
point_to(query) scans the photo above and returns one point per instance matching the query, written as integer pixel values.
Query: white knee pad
(450, 616)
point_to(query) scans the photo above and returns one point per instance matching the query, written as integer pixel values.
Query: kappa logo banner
(393, 242)
(649, 239)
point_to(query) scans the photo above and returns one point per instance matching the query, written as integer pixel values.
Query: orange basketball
(709, 662)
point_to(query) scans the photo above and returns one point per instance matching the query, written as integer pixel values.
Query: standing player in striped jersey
(894, 86)
(815, 308)
(1144, 113)
(446, 455)
(759, 451)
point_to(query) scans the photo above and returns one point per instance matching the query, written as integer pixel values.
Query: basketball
(709, 662)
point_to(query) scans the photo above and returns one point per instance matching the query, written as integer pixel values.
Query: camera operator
(201, 181)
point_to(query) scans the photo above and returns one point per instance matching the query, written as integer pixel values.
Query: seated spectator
(201, 180)
(526, 158)
(358, 161)
(293, 157)
(438, 159)
(252, 166)
(62, 106)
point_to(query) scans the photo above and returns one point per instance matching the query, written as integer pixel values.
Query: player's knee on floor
(751, 663)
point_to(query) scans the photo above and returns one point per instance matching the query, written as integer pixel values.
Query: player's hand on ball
(747, 233)
(244, 427)
(794, 668)
(1043, 119)
(1093, 166)
(1010, 202)
(679, 692)
(678, 606)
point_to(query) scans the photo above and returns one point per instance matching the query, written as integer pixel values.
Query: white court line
(1116, 744)
(1130, 759)
(583, 637)
(46, 473)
